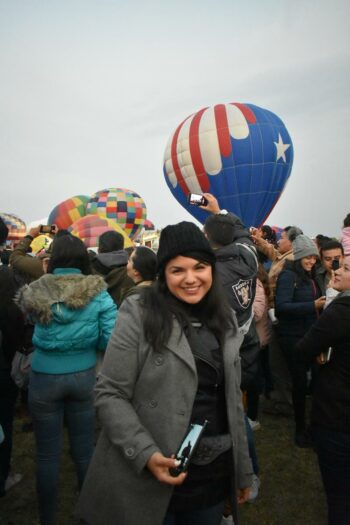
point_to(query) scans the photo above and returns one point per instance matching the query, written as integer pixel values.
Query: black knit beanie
(183, 238)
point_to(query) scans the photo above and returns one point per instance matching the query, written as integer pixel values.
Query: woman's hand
(320, 302)
(159, 465)
(243, 495)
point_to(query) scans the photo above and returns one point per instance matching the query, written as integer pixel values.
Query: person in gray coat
(172, 361)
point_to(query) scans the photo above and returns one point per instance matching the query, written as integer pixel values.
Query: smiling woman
(330, 416)
(188, 279)
(172, 362)
(298, 303)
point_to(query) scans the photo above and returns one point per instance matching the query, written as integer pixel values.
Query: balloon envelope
(68, 211)
(124, 206)
(17, 227)
(148, 225)
(41, 242)
(240, 153)
(90, 227)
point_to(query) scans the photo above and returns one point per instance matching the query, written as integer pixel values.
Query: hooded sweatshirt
(112, 266)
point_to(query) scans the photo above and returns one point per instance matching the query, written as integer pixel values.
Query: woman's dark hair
(269, 234)
(321, 240)
(347, 221)
(301, 274)
(160, 306)
(145, 262)
(69, 252)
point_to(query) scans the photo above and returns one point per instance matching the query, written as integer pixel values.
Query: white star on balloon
(281, 149)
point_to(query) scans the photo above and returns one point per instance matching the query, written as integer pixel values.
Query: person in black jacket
(298, 302)
(12, 337)
(237, 265)
(329, 341)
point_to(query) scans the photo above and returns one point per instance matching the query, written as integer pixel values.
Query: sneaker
(12, 480)
(254, 425)
(254, 490)
(227, 520)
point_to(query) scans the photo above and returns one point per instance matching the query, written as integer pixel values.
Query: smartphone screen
(196, 199)
(187, 448)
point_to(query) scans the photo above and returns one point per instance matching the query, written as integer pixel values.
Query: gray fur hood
(73, 290)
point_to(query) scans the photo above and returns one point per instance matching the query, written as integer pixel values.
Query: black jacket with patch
(237, 265)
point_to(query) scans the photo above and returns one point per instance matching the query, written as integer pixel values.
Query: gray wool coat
(144, 402)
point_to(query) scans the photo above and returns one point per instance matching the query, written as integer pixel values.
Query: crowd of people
(135, 352)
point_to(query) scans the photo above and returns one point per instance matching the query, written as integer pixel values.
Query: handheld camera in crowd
(47, 228)
(187, 448)
(335, 264)
(196, 199)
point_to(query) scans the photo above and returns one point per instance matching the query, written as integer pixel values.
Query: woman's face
(342, 276)
(130, 265)
(130, 269)
(188, 279)
(308, 262)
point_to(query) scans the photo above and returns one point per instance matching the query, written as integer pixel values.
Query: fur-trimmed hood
(73, 290)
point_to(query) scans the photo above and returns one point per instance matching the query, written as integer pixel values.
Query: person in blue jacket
(298, 302)
(74, 316)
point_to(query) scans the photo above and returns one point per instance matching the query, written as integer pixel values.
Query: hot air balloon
(148, 225)
(68, 211)
(125, 207)
(17, 228)
(90, 227)
(41, 242)
(240, 153)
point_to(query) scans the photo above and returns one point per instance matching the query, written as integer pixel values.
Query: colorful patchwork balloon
(68, 211)
(17, 228)
(125, 207)
(90, 227)
(240, 153)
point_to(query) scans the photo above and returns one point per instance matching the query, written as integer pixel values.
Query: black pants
(333, 451)
(298, 373)
(8, 396)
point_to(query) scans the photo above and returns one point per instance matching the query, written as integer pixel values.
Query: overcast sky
(90, 92)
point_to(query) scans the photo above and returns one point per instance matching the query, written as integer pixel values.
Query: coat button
(153, 403)
(129, 452)
(159, 360)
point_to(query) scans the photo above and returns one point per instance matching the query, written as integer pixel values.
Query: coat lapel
(179, 346)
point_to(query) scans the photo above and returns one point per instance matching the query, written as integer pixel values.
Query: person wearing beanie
(172, 362)
(298, 305)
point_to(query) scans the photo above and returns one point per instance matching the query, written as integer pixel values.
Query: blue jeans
(333, 451)
(53, 400)
(209, 516)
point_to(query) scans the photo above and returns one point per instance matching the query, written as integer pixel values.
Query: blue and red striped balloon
(240, 153)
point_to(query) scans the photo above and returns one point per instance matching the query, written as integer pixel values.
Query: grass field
(291, 491)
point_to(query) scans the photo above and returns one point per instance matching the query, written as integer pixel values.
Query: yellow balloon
(42, 242)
